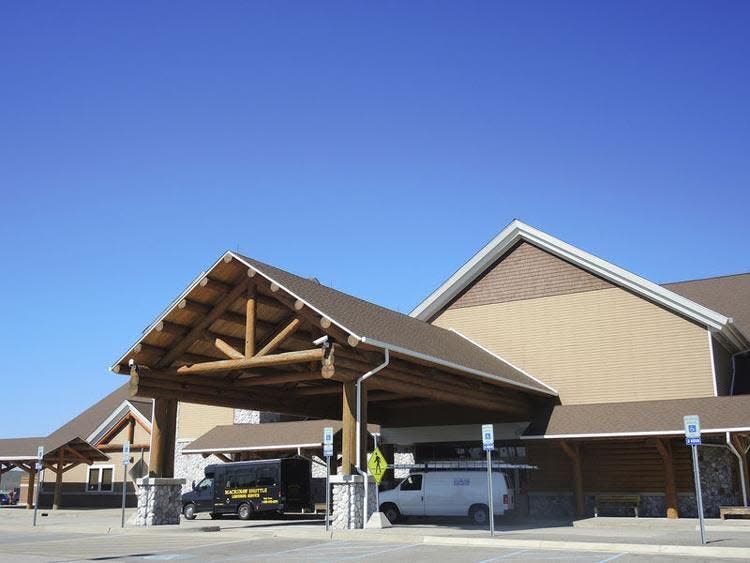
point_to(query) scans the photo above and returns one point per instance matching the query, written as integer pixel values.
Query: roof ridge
(707, 278)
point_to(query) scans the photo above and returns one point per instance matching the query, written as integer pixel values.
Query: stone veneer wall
(347, 495)
(719, 473)
(402, 455)
(159, 501)
(190, 467)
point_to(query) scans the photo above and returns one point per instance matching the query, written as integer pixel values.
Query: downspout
(741, 461)
(361, 379)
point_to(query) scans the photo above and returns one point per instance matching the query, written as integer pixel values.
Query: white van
(447, 493)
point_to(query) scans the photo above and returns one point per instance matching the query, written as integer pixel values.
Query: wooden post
(742, 445)
(58, 480)
(364, 435)
(250, 313)
(131, 430)
(163, 432)
(30, 488)
(670, 490)
(348, 428)
(574, 453)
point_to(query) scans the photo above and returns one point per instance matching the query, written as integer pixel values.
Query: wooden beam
(118, 447)
(573, 451)
(279, 338)
(223, 458)
(215, 285)
(224, 303)
(163, 429)
(227, 350)
(278, 379)
(664, 446)
(250, 317)
(131, 429)
(742, 445)
(76, 454)
(30, 489)
(223, 366)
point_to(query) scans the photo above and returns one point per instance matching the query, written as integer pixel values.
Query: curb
(631, 548)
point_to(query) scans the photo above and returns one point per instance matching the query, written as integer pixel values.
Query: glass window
(106, 479)
(93, 484)
(266, 477)
(100, 479)
(412, 483)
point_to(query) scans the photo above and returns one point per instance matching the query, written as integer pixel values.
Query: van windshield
(205, 484)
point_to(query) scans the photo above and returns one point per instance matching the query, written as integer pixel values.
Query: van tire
(479, 514)
(188, 511)
(391, 512)
(245, 511)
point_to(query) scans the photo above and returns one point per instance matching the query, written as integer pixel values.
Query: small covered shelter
(61, 454)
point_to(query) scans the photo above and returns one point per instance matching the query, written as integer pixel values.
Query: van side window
(266, 477)
(246, 479)
(412, 483)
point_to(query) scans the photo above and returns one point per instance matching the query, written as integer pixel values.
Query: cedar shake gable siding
(590, 340)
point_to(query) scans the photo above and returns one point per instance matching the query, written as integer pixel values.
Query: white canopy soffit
(516, 231)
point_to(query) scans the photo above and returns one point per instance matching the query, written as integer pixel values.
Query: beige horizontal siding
(527, 272)
(595, 346)
(195, 420)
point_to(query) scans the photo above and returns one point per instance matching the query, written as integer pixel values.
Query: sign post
(488, 444)
(38, 469)
(125, 462)
(693, 439)
(328, 452)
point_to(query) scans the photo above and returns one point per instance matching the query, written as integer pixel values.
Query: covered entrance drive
(249, 335)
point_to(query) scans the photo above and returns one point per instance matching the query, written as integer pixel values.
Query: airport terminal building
(585, 369)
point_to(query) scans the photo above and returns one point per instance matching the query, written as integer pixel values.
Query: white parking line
(511, 554)
(376, 552)
(615, 556)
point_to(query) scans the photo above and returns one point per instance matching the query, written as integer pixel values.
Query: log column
(573, 451)
(163, 438)
(348, 428)
(58, 481)
(30, 488)
(670, 490)
(250, 312)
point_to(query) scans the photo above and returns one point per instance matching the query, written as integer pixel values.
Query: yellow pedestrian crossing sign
(377, 465)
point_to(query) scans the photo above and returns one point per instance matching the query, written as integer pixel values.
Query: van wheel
(479, 514)
(188, 511)
(391, 512)
(245, 511)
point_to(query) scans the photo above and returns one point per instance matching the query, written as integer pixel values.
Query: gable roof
(729, 295)
(90, 420)
(377, 326)
(518, 231)
(77, 432)
(270, 436)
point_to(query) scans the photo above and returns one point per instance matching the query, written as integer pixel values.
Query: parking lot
(227, 546)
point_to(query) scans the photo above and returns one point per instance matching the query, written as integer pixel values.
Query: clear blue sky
(376, 146)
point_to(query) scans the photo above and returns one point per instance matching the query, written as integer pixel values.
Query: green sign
(377, 465)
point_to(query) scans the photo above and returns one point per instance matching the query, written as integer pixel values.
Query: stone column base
(159, 501)
(347, 494)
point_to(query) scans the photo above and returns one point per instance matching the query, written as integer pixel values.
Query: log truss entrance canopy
(247, 335)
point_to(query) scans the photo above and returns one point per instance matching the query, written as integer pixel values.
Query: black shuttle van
(247, 487)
